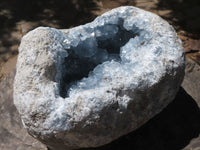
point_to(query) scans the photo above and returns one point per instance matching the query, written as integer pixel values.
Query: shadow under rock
(172, 129)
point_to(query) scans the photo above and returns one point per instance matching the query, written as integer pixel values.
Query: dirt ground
(17, 17)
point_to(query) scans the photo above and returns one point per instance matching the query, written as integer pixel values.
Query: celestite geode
(87, 86)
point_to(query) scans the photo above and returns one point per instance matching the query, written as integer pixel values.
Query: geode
(87, 86)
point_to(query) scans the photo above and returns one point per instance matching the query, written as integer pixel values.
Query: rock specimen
(91, 84)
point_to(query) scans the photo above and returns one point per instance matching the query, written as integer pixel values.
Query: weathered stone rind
(99, 114)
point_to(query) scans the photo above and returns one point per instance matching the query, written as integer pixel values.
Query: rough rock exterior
(89, 85)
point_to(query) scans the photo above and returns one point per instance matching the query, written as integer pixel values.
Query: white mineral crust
(87, 86)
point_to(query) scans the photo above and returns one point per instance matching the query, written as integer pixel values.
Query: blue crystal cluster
(114, 40)
(91, 47)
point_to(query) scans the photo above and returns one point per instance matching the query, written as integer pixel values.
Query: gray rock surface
(191, 82)
(194, 144)
(12, 134)
(89, 85)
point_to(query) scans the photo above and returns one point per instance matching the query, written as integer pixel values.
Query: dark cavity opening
(113, 45)
(77, 67)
